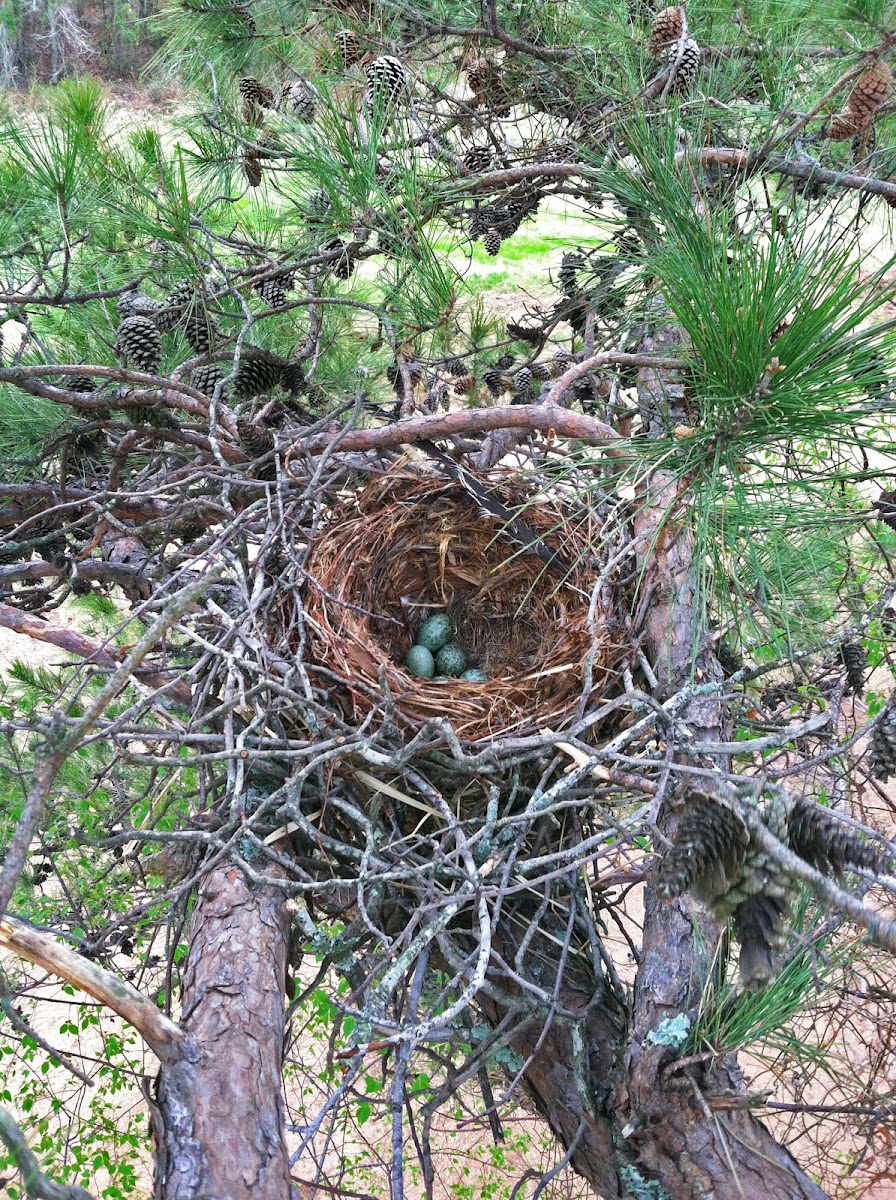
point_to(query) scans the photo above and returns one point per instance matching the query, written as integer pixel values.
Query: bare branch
(161, 1034)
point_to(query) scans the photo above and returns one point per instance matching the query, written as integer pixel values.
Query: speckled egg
(451, 660)
(419, 662)
(435, 632)
(474, 675)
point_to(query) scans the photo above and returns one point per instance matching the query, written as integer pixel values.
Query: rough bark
(574, 1051)
(693, 1151)
(679, 1133)
(687, 1129)
(220, 1105)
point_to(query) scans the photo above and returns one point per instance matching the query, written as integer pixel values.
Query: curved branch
(545, 417)
(91, 569)
(751, 160)
(73, 642)
(161, 1034)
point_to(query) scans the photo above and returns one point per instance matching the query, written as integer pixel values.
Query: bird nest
(412, 545)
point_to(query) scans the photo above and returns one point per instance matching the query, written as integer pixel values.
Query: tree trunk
(679, 1133)
(220, 1105)
(613, 1101)
(576, 1045)
(693, 1151)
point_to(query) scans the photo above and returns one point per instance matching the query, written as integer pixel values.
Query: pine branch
(161, 1034)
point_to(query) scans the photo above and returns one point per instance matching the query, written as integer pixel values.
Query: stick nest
(412, 545)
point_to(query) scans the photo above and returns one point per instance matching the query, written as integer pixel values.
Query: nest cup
(412, 545)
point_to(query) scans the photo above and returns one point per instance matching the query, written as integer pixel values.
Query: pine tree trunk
(605, 1089)
(220, 1106)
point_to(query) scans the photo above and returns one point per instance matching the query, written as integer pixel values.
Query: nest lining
(412, 545)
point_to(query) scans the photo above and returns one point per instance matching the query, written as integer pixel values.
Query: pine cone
(845, 126)
(540, 371)
(688, 65)
(707, 851)
(300, 99)
(395, 377)
(561, 360)
(272, 293)
(523, 383)
(252, 165)
(255, 97)
(493, 380)
(173, 308)
(135, 304)
(478, 158)
(343, 266)
(760, 924)
(886, 505)
(855, 660)
(138, 414)
(668, 26)
(492, 241)
(486, 84)
(567, 276)
(206, 378)
(256, 440)
(255, 376)
(882, 756)
(454, 365)
(827, 844)
(138, 343)
(506, 218)
(761, 873)
(319, 205)
(241, 11)
(863, 145)
(293, 379)
(437, 397)
(387, 81)
(477, 79)
(870, 91)
(476, 225)
(201, 329)
(349, 47)
(532, 334)
(78, 383)
(729, 660)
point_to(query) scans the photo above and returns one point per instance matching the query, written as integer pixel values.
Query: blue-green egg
(474, 675)
(435, 632)
(419, 662)
(451, 660)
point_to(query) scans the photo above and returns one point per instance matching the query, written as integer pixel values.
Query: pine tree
(639, 466)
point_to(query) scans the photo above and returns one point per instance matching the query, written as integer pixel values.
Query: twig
(37, 1184)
